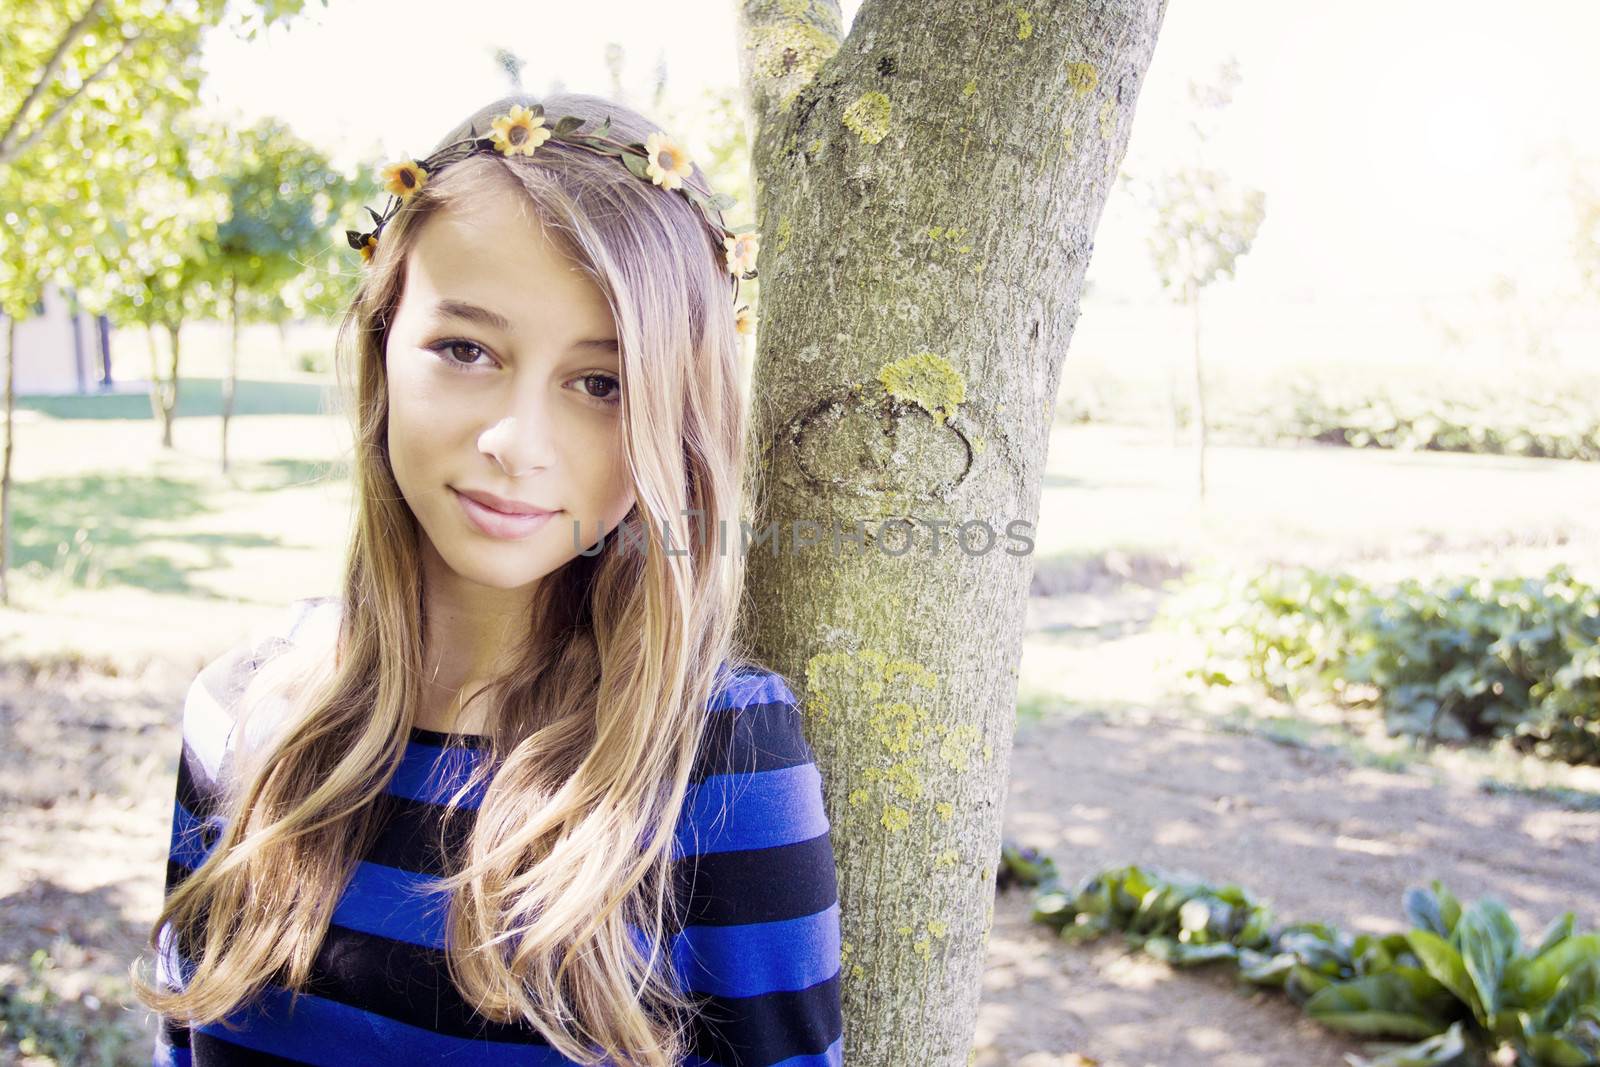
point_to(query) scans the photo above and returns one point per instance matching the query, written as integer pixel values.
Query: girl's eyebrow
(461, 309)
(469, 312)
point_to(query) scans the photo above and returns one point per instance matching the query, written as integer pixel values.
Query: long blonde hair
(597, 725)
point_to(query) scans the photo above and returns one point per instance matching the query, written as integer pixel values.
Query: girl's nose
(520, 444)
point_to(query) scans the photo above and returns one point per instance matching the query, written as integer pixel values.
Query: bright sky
(1407, 147)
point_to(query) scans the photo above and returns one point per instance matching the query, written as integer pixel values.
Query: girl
(516, 795)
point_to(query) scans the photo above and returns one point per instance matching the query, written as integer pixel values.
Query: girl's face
(503, 378)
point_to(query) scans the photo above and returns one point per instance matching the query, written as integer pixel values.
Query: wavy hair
(596, 726)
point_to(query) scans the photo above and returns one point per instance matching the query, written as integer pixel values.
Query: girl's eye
(605, 383)
(599, 387)
(447, 346)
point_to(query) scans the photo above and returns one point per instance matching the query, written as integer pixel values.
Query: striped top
(758, 944)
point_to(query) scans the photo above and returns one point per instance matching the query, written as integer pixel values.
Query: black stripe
(444, 740)
(758, 737)
(794, 880)
(771, 1027)
(196, 790)
(176, 872)
(409, 838)
(173, 1033)
(402, 981)
(209, 1050)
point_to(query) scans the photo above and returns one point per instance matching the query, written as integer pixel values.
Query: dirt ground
(1309, 833)
(86, 765)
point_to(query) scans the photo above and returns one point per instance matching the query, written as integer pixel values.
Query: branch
(780, 54)
(72, 34)
(55, 116)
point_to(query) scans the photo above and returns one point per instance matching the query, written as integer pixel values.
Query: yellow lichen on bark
(1108, 121)
(1082, 77)
(868, 117)
(927, 380)
(1024, 23)
(791, 48)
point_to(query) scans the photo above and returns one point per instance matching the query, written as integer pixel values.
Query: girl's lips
(498, 524)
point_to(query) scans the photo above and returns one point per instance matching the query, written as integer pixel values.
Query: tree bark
(928, 190)
(155, 372)
(233, 365)
(1199, 390)
(169, 389)
(5, 462)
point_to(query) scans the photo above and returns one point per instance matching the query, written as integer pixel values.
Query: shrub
(1460, 659)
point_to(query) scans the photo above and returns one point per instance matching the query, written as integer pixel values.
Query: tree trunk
(233, 366)
(5, 462)
(928, 190)
(1199, 390)
(169, 390)
(156, 399)
(1175, 397)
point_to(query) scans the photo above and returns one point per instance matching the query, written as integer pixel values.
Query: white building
(61, 353)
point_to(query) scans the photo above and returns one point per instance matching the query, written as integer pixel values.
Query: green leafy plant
(1459, 983)
(1454, 660)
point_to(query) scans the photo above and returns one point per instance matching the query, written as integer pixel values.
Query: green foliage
(1202, 221)
(1460, 659)
(80, 137)
(1203, 224)
(38, 1023)
(1540, 417)
(279, 198)
(155, 265)
(1545, 426)
(1460, 980)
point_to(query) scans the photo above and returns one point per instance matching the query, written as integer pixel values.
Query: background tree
(1584, 191)
(282, 194)
(511, 65)
(928, 191)
(75, 137)
(163, 246)
(1202, 223)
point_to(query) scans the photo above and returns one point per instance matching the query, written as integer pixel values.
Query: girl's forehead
(496, 218)
(526, 281)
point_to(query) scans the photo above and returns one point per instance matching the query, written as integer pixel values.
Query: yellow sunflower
(742, 252)
(744, 320)
(519, 131)
(403, 179)
(669, 164)
(369, 247)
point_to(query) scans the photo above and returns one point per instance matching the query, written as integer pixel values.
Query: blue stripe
(832, 1056)
(432, 774)
(325, 1032)
(777, 807)
(188, 846)
(755, 958)
(168, 1055)
(396, 904)
(746, 690)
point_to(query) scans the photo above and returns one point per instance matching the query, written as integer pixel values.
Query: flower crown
(521, 131)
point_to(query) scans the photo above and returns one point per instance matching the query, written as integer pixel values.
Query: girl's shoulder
(754, 722)
(743, 683)
(211, 706)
